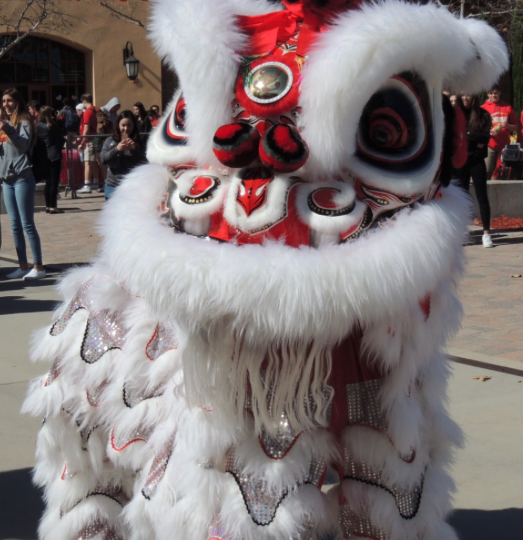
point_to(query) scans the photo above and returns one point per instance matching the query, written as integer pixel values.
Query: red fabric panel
(348, 366)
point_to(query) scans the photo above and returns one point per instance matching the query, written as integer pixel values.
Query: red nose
(281, 149)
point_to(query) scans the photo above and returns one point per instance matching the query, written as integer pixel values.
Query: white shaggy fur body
(222, 345)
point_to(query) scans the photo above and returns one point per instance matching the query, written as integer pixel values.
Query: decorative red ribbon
(267, 30)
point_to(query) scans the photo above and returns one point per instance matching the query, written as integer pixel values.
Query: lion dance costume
(256, 352)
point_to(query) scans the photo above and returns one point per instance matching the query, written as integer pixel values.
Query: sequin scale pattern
(217, 531)
(133, 397)
(104, 331)
(120, 442)
(85, 434)
(259, 501)
(94, 395)
(407, 500)
(53, 372)
(359, 524)
(317, 472)
(363, 404)
(157, 471)
(80, 301)
(67, 472)
(307, 532)
(113, 492)
(97, 530)
(163, 340)
(277, 446)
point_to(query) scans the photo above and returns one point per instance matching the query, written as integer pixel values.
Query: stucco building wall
(102, 38)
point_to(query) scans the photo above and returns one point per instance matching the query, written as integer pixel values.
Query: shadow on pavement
(498, 238)
(11, 305)
(504, 524)
(21, 505)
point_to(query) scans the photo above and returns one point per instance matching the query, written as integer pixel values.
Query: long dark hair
(46, 115)
(477, 117)
(21, 112)
(117, 134)
(141, 108)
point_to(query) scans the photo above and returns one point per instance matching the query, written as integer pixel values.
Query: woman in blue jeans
(18, 182)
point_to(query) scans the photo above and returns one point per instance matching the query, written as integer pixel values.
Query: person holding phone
(121, 152)
(17, 135)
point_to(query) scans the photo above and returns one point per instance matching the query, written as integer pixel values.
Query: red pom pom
(283, 150)
(236, 145)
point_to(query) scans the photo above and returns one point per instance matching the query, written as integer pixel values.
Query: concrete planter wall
(505, 197)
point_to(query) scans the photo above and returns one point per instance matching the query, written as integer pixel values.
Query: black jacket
(53, 139)
(144, 127)
(119, 164)
(482, 136)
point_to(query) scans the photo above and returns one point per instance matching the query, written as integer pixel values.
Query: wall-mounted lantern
(130, 62)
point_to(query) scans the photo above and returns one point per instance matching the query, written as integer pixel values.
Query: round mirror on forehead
(269, 82)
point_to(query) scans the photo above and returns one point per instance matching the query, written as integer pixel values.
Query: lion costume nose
(281, 149)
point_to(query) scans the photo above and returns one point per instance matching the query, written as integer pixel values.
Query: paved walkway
(68, 238)
(492, 299)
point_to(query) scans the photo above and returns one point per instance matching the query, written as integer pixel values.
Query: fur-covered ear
(201, 42)
(490, 58)
(365, 48)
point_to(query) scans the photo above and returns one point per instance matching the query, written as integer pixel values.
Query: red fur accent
(236, 145)
(283, 139)
(228, 131)
(283, 150)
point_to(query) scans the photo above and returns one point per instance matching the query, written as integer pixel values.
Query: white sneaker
(487, 241)
(85, 189)
(34, 274)
(17, 274)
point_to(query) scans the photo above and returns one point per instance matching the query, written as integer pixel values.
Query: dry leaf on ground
(482, 378)
(515, 275)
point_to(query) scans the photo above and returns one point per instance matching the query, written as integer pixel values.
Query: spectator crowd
(33, 140)
(109, 143)
(492, 128)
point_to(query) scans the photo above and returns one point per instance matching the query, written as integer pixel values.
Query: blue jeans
(19, 199)
(109, 191)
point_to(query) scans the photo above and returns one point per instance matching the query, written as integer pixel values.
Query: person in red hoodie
(504, 122)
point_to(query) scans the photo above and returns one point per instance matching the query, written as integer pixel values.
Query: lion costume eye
(173, 129)
(179, 116)
(393, 130)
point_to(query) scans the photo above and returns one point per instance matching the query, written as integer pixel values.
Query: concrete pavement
(24, 307)
(488, 472)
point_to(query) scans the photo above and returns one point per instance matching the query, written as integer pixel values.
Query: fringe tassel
(223, 371)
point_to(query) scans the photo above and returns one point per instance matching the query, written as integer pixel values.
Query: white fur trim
(366, 280)
(489, 62)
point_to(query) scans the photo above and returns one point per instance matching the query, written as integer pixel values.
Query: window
(44, 68)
